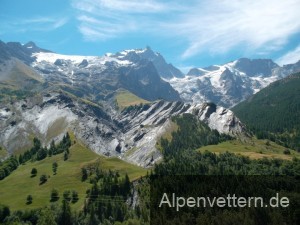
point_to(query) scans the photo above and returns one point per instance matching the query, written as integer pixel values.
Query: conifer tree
(54, 167)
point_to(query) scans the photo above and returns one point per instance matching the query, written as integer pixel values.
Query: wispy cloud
(36, 24)
(219, 26)
(290, 57)
(104, 19)
(133, 6)
(45, 23)
(209, 26)
(100, 28)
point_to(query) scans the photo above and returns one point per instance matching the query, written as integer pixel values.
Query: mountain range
(94, 77)
(231, 83)
(146, 74)
(45, 94)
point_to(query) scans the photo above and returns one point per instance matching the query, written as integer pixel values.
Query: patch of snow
(4, 113)
(50, 57)
(231, 64)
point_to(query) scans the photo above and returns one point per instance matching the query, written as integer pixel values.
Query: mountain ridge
(104, 130)
(95, 77)
(225, 85)
(230, 83)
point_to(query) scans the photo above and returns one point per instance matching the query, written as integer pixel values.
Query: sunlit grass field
(15, 188)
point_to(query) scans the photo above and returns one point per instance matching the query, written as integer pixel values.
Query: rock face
(96, 77)
(229, 84)
(164, 69)
(255, 67)
(131, 134)
(99, 77)
(19, 51)
(144, 126)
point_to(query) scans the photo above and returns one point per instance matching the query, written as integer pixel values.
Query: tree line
(274, 112)
(105, 203)
(7, 166)
(37, 152)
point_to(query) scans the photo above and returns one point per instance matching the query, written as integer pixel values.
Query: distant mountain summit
(19, 51)
(255, 67)
(231, 83)
(32, 47)
(164, 69)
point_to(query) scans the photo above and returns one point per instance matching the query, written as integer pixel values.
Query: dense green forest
(192, 134)
(274, 112)
(180, 158)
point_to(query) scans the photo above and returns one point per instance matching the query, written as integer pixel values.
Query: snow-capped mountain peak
(230, 83)
(164, 69)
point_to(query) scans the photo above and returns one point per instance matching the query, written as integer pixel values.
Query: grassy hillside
(125, 98)
(17, 80)
(15, 188)
(254, 149)
(274, 112)
(171, 128)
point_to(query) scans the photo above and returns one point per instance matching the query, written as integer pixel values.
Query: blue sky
(194, 33)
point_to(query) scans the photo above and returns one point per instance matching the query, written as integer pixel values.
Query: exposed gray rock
(17, 50)
(163, 68)
(99, 77)
(130, 135)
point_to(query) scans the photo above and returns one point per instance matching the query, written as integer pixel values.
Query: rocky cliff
(131, 134)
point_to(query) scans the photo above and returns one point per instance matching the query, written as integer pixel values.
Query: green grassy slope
(125, 98)
(18, 80)
(15, 188)
(254, 149)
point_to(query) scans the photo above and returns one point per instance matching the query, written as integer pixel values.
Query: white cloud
(94, 29)
(209, 26)
(219, 26)
(59, 23)
(36, 24)
(43, 23)
(132, 6)
(104, 19)
(290, 57)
